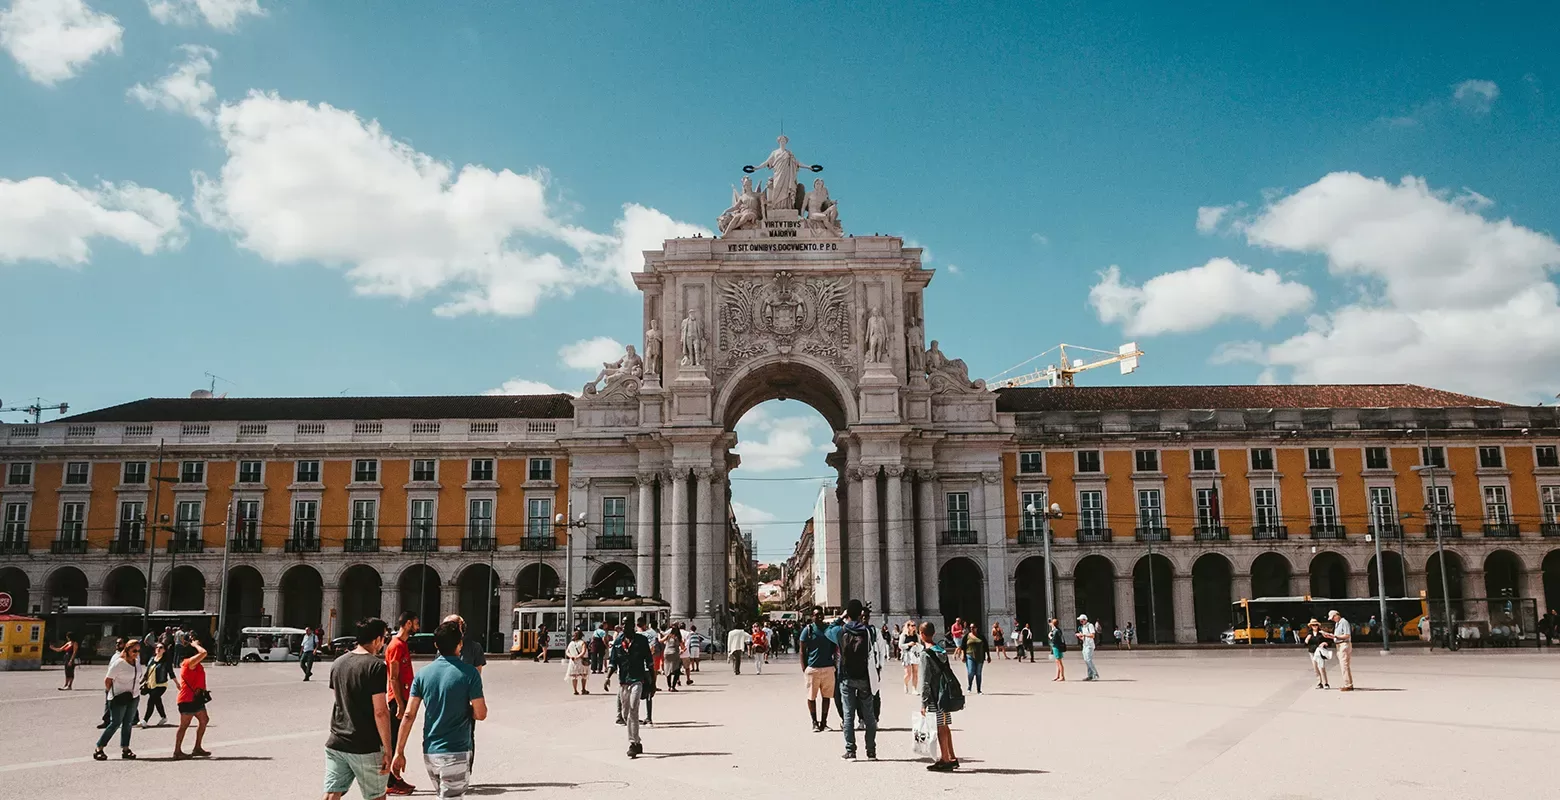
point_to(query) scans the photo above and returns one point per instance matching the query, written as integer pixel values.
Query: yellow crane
(1126, 355)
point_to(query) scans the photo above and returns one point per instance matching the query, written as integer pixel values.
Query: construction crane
(1126, 355)
(36, 409)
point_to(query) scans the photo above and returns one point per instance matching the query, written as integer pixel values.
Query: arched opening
(186, 588)
(536, 582)
(1392, 563)
(303, 594)
(1212, 584)
(613, 579)
(1503, 575)
(15, 583)
(477, 588)
(419, 588)
(245, 600)
(961, 592)
(124, 586)
(1454, 585)
(66, 583)
(1329, 575)
(1270, 576)
(362, 596)
(1551, 569)
(1094, 591)
(1029, 598)
(1152, 592)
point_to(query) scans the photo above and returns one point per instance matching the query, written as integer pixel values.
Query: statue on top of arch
(782, 196)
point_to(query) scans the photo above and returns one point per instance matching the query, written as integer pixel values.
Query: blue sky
(445, 197)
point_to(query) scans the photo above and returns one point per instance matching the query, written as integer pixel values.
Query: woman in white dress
(579, 666)
(910, 656)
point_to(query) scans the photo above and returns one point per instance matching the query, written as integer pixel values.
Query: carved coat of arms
(784, 314)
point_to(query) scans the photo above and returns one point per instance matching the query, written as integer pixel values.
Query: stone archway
(961, 593)
(1154, 599)
(186, 588)
(1551, 570)
(302, 596)
(1392, 564)
(1329, 576)
(362, 595)
(536, 581)
(419, 589)
(1212, 590)
(124, 586)
(613, 579)
(15, 583)
(1454, 585)
(1094, 592)
(1271, 576)
(1030, 604)
(69, 583)
(1504, 577)
(477, 601)
(245, 599)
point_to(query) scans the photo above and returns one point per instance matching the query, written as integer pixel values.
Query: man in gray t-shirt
(359, 747)
(1343, 635)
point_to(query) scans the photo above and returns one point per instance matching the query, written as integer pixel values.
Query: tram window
(595, 617)
(550, 619)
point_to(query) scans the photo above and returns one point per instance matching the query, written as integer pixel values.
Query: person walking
(541, 644)
(1343, 637)
(122, 686)
(998, 642)
(398, 674)
(910, 655)
(817, 660)
(759, 647)
(935, 676)
(69, 649)
(306, 653)
(1088, 635)
(974, 659)
(956, 635)
(855, 644)
(736, 645)
(631, 660)
(769, 642)
(193, 697)
(1127, 635)
(471, 653)
(579, 670)
(452, 691)
(1058, 647)
(360, 745)
(1424, 631)
(1026, 643)
(671, 658)
(693, 652)
(598, 649)
(1316, 644)
(159, 673)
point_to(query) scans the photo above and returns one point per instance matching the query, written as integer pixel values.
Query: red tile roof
(258, 409)
(1160, 398)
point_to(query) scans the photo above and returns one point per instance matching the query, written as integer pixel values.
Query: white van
(271, 644)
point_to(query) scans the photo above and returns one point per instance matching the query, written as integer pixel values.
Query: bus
(1247, 616)
(527, 616)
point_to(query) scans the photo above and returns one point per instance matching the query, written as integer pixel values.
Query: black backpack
(950, 695)
(853, 655)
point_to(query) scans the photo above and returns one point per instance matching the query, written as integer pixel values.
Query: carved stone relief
(783, 314)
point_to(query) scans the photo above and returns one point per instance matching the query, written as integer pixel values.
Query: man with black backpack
(855, 684)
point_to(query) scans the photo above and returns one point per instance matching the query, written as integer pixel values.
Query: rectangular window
(365, 515)
(1264, 507)
(1550, 495)
(187, 524)
(1433, 456)
(1324, 508)
(192, 472)
(1491, 458)
(1261, 458)
(1207, 507)
(480, 525)
(19, 474)
(247, 515)
(1439, 501)
(307, 472)
(425, 470)
(1146, 460)
(1031, 519)
(365, 470)
(614, 517)
(15, 522)
(1031, 463)
(77, 473)
(1383, 507)
(251, 471)
(538, 517)
(1547, 455)
(306, 520)
(422, 519)
(1496, 511)
(482, 469)
(1150, 512)
(73, 521)
(540, 470)
(1089, 461)
(958, 506)
(1091, 510)
(1205, 460)
(133, 473)
(1318, 458)
(1376, 458)
(132, 521)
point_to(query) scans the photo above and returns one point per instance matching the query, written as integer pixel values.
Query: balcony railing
(303, 544)
(958, 537)
(1033, 536)
(124, 546)
(1502, 530)
(1387, 531)
(1549, 529)
(361, 545)
(244, 544)
(1211, 533)
(1447, 530)
(419, 544)
(538, 543)
(1152, 533)
(479, 544)
(13, 546)
(605, 542)
(187, 544)
(68, 547)
(1094, 535)
(1270, 532)
(1328, 531)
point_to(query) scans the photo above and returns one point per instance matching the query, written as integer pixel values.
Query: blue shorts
(341, 769)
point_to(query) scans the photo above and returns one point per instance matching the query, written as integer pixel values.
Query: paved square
(1204, 724)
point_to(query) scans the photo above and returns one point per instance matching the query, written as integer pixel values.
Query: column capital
(647, 478)
(579, 483)
(991, 477)
(894, 471)
(862, 473)
(675, 476)
(703, 473)
(926, 474)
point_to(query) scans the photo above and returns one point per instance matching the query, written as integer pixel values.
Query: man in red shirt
(398, 665)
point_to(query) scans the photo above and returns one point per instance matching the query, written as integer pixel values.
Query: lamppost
(1046, 515)
(564, 523)
(158, 521)
(1381, 578)
(1433, 514)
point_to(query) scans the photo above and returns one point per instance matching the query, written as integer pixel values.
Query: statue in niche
(823, 214)
(877, 337)
(622, 376)
(782, 190)
(746, 209)
(652, 349)
(692, 340)
(915, 353)
(950, 374)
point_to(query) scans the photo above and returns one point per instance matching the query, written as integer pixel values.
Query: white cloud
(1451, 297)
(590, 354)
(768, 443)
(1197, 298)
(1209, 217)
(615, 257)
(224, 15)
(955, 269)
(316, 183)
(750, 518)
(185, 90)
(1040, 239)
(42, 219)
(1476, 95)
(53, 39)
(525, 386)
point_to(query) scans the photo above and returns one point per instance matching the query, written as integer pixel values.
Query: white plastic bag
(923, 728)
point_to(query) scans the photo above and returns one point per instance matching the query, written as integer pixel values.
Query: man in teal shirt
(452, 691)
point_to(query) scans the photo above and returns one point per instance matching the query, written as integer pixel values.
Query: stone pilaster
(901, 556)
(704, 551)
(999, 581)
(644, 535)
(926, 534)
(1185, 609)
(674, 580)
(871, 590)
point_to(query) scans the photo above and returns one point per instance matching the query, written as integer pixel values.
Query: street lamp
(1433, 514)
(561, 521)
(1054, 512)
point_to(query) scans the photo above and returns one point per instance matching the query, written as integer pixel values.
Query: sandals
(180, 755)
(99, 755)
(127, 754)
(199, 753)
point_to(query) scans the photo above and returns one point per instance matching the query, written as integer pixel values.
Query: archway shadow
(1001, 771)
(506, 788)
(681, 755)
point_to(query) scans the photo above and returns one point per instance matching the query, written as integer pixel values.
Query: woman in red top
(192, 701)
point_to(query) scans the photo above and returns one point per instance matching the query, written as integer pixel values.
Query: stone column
(703, 545)
(330, 611)
(674, 577)
(926, 535)
(871, 555)
(901, 557)
(999, 583)
(1126, 599)
(449, 601)
(644, 535)
(1067, 598)
(1473, 586)
(1185, 609)
(1359, 583)
(271, 603)
(1242, 586)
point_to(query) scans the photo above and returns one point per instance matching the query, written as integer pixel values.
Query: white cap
(1084, 617)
